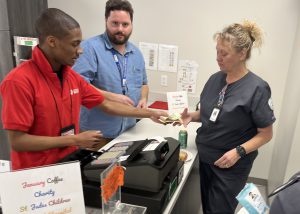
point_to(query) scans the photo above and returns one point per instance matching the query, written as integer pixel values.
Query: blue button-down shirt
(98, 67)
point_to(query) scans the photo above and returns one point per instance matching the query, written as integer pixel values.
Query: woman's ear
(243, 54)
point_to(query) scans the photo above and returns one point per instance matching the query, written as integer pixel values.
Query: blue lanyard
(123, 71)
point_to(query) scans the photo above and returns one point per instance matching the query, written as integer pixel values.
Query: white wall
(293, 165)
(285, 159)
(190, 25)
(287, 141)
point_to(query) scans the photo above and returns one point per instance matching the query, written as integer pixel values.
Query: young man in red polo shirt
(42, 97)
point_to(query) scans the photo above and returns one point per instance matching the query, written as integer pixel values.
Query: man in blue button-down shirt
(114, 66)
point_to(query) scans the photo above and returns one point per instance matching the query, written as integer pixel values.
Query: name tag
(214, 115)
(69, 130)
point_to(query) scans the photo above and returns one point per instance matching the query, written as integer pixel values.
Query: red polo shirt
(34, 101)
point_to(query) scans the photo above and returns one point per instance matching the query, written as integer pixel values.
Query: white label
(151, 146)
(214, 115)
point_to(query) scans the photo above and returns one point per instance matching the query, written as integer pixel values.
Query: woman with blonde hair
(236, 114)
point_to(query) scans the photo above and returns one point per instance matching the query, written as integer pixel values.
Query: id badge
(69, 130)
(214, 114)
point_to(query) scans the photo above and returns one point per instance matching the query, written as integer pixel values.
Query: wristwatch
(241, 151)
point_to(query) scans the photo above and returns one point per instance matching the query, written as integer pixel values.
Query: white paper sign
(177, 101)
(27, 41)
(187, 76)
(55, 189)
(150, 53)
(167, 58)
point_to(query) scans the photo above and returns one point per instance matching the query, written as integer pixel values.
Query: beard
(115, 40)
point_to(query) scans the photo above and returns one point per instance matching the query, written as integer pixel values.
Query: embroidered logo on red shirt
(74, 91)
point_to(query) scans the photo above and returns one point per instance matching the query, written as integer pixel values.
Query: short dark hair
(112, 5)
(55, 22)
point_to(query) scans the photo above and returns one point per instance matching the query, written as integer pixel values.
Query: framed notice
(52, 189)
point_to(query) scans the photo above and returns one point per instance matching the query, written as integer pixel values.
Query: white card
(214, 114)
(177, 101)
(49, 189)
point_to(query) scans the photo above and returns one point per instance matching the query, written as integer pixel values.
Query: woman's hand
(185, 119)
(228, 159)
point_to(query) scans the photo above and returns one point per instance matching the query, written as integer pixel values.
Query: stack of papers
(175, 117)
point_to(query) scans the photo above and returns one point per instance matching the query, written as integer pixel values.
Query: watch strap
(241, 151)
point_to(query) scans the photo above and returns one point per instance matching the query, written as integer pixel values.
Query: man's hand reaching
(89, 139)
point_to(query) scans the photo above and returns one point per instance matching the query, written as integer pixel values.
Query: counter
(146, 128)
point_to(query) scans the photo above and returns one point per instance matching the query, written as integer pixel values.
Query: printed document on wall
(187, 76)
(150, 53)
(167, 58)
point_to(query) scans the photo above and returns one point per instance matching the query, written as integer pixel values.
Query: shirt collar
(43, 64)
(109, 46)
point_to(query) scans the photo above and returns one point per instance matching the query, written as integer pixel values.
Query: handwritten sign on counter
(55, 189)
(177, 101)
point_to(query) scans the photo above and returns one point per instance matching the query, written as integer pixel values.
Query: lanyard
(123, 71)
(216, 110)
(221, 96)
(56, 105)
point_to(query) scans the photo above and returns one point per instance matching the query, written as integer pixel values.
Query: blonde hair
(242, 36)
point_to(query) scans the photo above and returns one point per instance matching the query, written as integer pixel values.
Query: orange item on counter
(114, 179)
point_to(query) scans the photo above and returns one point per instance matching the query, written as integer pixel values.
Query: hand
(157, 114)
(142, 103)
(186, 118)
(120, 98)
(228, 159)
(89, 139)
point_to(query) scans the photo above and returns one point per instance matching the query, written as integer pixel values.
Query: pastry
(183, 155)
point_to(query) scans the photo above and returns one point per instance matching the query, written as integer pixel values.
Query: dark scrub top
(247, 106)
(287, 200)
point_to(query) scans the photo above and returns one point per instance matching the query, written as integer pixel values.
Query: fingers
(91, 136)
(185, 125)
(96, 134)
(177, 124)
(185, 111)
(163, 113)
(224, 165)
(127, 101)
(223, 162)
(154, 119)
(142, 104)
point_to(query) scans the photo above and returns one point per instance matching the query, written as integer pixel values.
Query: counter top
(146, 128)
